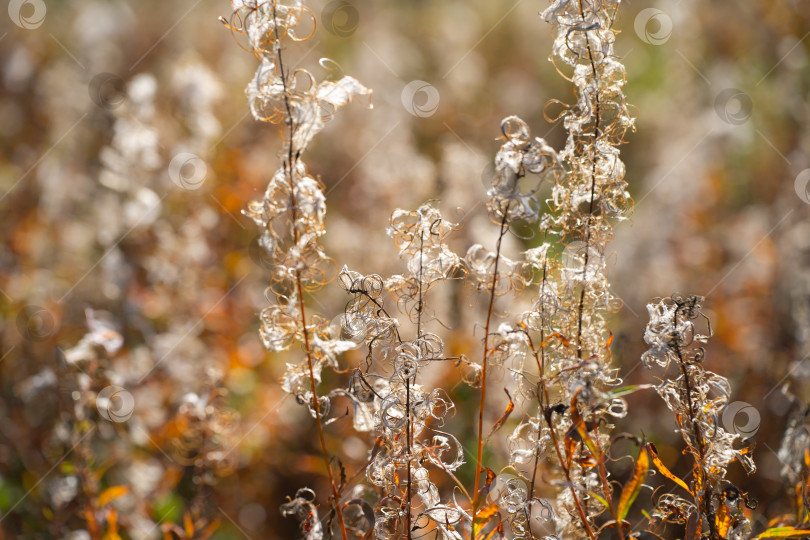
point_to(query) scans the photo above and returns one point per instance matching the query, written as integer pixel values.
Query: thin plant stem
(706, 500)
(480, 443)
(289, 165)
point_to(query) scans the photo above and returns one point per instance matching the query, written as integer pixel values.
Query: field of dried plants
(404, 269)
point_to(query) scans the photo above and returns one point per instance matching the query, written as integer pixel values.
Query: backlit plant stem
(482, 404)
(300, 292)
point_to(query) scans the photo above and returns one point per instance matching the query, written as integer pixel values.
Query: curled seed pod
(393, 413)
(302, 507)
(406, 368)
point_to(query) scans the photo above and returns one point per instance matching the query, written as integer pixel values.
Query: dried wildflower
(698, 399)
(794, 443)
(560, 349)
(291, 214)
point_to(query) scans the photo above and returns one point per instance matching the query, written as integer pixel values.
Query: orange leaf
(722, 520)
(587, 462)
(90, 519)
(210, 530)
(188, 525)
(570, 446)
(112, 526)
(582, 428)
(111, 493)
(487, 512)
(502, 420)
(559, 336)
(663, 468)
(631, 489)
(498, 530)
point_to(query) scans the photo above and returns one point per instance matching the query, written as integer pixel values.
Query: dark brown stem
(701, 449)
(409, 437)
(581, 306)
(592, 195)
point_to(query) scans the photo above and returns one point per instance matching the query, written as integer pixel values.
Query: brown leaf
(570, 447)
(490, 477)
(502, 420)
(692, 527)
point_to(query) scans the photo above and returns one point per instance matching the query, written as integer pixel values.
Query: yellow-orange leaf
(188, 525)
(112, 526)
(631, 489)
(559, 336)
(582, 428)
(210, 530)
(722, 520)
(487, 512)
(663, 468)
(498, 530)
(111, 493)
(784, 532)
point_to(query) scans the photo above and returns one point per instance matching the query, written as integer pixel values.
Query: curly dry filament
(480, 451)
(300, 288)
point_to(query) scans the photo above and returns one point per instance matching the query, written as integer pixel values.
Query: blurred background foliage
(101, 96)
